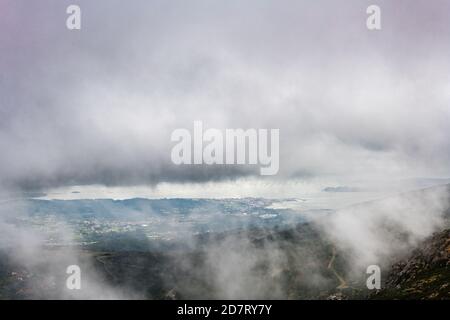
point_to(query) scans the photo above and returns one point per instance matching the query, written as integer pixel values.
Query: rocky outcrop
(424, 275)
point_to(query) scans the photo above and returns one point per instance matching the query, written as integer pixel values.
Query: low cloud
(97, 106)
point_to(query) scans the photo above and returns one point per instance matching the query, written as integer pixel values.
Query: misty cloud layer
(26, 248)
(97, 106)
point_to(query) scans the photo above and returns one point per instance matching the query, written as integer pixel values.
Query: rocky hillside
(424, 275)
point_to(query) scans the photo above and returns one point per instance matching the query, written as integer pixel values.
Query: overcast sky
(98, 105)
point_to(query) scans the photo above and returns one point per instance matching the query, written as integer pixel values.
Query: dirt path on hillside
(342, 282)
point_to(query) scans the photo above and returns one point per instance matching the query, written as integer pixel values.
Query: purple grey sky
(97, 106)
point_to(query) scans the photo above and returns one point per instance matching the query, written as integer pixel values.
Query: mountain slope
(424, 275)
